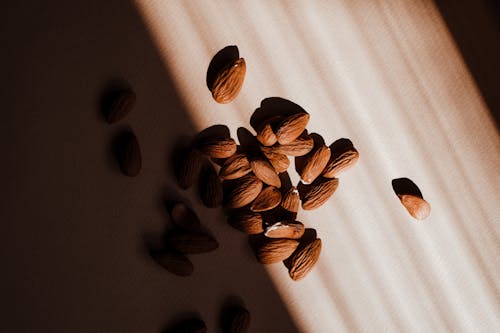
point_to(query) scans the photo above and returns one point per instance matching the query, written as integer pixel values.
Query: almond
(217, 147)
(237, 320)
(235, 166)
(291, 200)
(340, 162)
(292, 230)
(130, 156)
(416, 206)
(121, 105)
(243, 191)
(291, 127)
(269, 198)
(266, 135)
(280, 162)
(188, 167)
(265, 171)
(314, 164)
(247, 221)
(317, 193)
(229, 81)
(298, 147)
(304, 259)
(276, 250)
(192, 242)
(174, 262)
(185, 217)
(210, 187)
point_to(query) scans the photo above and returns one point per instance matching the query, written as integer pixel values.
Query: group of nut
(253, 184)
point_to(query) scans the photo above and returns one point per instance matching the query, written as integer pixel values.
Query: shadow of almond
(185, 322)
(402, 186)
(222, 59)
(272, 107)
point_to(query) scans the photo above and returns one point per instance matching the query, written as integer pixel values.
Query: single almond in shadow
(117, 100)
(128, 153)
(235, 319)
(210, 187)
(191, 242)
(174, 262)
(184, 217)
(246, 221)
(188, 162)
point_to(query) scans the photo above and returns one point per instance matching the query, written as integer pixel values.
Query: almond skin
(188, 167)
(174, 262)
(246, 221)
(276, 250)
(267, 199)
(243, 191)
(340, 162)
(218, 148)
(185, 217)
(237, 320)
(317, 193)
(210, 187)
(190, 242)
(291, 200)
(304, 259)
(298, 147)
(416, 206)
(265, 172)
(315, 163)
(130, 157)
(280, 162)
(291, 127)
(266, 135)
(121, 106)
(235, 166)
(229, 81)
(291, 230)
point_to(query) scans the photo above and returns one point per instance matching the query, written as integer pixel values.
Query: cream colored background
(388, 76)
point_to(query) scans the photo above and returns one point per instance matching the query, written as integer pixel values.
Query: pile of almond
(251, 180)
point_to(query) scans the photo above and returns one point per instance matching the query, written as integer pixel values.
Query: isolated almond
(292, 230)
(291, 200)
(188, 166)
(317, 193)
(236, 320)
(340, 162)
(276, 250)
(246, 221)
(291, 127)
(235, 166)
(416, 206)
(185, 217)
(280, 162)
(266, 135)
(314, 164)
(267, 199)
(229, 81)
(304, 259)
(217, 147)
(174, 262)
(210, 187)
(265, 171)
(191, 242)
(298, 147)
(130, 156)
(242, 191)
(121, 105)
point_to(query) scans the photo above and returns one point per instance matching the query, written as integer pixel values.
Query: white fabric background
(388, 76)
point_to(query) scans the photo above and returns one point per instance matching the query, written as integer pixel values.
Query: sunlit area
(388, 76)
